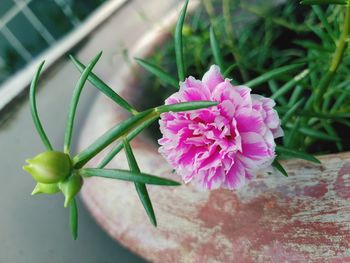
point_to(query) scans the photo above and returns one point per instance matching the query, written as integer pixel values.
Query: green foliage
(282, 52)
(127, 176)
(158, 72)
(103, 87)
(185, 106)
(140, 188)
(285, 152)
(323, 2)
(279, 167)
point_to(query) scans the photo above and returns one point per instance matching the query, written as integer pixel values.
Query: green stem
(120, 130)
(131, 135)
(336, 60)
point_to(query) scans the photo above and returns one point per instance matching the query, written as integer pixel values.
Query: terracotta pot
(302, 218)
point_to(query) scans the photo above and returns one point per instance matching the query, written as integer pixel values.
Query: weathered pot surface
(302, 218)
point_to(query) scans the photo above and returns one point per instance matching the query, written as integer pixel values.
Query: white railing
(21, 79)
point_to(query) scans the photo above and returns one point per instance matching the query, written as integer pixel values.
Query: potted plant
(294, 54)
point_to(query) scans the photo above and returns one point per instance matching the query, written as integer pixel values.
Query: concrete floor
(35, 229)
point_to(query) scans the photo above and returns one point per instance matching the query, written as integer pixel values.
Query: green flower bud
(70, 187)
(45, 189)
(49, 167)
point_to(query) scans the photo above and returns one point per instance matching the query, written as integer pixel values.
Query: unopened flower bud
(49, 167)
(70, 187)
(45, 189)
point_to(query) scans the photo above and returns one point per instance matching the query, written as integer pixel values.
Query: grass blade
(127, 176)
(272, 74)
(161, 74)
(296, 154)
(185, 106)
(215, 47)
(34, 111)
(103, 87)
(131, 135)
(140, 188)
(73, 218)
(279, 167)
(74, 102)
(178, 43)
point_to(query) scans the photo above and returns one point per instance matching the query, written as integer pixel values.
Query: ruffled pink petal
(222, 146)
(212, 78)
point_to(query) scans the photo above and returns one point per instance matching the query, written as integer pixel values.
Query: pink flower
(221, 146)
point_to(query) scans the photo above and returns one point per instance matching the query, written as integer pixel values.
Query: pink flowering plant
(221, 146)
(215, 132)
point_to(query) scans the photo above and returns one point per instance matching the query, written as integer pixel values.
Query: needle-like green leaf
(331, 131)
(291, 111)
(279, 167)
(297, 92)
(215, 47)
(74, 102)
(296, 154)
(229, 69)
(272, 74)
(316, 134)
(178, 43)
(103, 87)
(125, 175)
(161, 74)
(290, 84)
(131, 135)
(323, 2)
(320, 115)
(34, 111)
(185, 106)
(140, 188)
(321, 15)
(73, 218)
(111, 135)
(274, 88)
